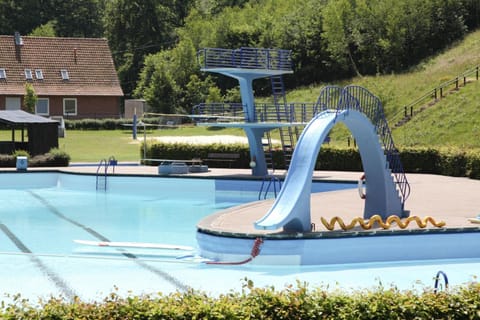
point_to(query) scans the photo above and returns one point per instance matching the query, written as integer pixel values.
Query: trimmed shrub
(54, 158)
(420, 160)
(185, 151)
(332, 159)
(473, 165)
(451, 162)
(293, 302)
(105, 124)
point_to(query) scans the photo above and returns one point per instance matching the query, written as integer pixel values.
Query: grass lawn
(92, 146)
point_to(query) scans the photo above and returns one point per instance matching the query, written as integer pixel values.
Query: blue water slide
(291, 209)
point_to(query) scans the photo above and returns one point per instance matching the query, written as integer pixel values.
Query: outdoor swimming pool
(43, 213)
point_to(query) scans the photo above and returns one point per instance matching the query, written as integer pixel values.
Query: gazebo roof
(22, 117)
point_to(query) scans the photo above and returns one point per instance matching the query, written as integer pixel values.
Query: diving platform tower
(246, 65)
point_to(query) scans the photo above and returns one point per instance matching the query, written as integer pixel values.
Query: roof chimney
(18, 45)
(18, 39)
(75, 55)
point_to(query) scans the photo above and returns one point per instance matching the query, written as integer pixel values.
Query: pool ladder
(437, 278)
(102, 172)
(268, 182)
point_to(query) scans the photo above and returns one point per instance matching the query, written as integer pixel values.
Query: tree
(45, 30)
(30, 98)
(79, 18)
(338, 31)
(168, 79)
(13, 15)
(136, 29)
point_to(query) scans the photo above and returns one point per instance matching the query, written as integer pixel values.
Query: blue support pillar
(248, 100)
(134, 126)
(257, 154)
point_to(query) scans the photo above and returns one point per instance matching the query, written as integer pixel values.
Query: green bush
(420, 160)
(473, 165)
(105, 124)
(451, 162)
(54, 158)
(21, 153)
(293, 302)
(8, 161)
(333, 158)
(185, 151)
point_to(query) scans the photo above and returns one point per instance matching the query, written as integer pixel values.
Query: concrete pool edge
(363, 247)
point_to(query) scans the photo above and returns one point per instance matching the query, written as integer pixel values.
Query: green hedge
(105, 124)
(295, 302)
(184, 151)
(450, 162)
(54, 158)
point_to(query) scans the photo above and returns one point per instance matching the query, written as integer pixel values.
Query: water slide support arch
(291, 209)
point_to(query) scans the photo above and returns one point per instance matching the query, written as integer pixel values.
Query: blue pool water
(43, 213)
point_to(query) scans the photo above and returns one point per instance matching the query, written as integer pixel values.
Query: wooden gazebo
(37, 134)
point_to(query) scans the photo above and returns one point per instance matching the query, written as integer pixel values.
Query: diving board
(142, 245)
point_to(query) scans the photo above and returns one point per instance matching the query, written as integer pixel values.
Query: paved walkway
(449, 199)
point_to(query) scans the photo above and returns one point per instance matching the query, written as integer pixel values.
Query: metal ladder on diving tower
(288, 135)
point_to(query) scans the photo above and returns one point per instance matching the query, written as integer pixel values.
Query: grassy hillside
(453, 121)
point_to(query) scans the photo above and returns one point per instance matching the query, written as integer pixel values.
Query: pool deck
(450, 199)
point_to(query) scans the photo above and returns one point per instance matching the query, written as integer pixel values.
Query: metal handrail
(264, 112)
(437, 278)
(272, 180)
(227, 112)
(359, 98)
(435, 92)
(103, 163)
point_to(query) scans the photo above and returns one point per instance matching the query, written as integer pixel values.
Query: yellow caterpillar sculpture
(367, 225)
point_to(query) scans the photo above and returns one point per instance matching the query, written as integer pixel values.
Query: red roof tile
(88, 61)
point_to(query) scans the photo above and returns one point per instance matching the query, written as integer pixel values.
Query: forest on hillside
(154, 42)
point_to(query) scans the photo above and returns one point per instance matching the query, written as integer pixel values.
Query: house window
(12, 103)
(64, 73)
(39, 74)
(42, 106)
(28, 74)
(70, 107)
(3, 74)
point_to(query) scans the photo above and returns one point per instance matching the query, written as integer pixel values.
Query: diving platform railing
(245, 58)
(219, 112)
(264, 112)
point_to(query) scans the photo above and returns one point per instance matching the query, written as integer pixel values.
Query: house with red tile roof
(72, 77)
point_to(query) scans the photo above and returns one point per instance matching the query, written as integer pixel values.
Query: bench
(223, 157)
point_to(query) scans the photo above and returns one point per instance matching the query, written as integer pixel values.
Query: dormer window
(39, 74)
(3, 73)
(64, 73)
(28, 74)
